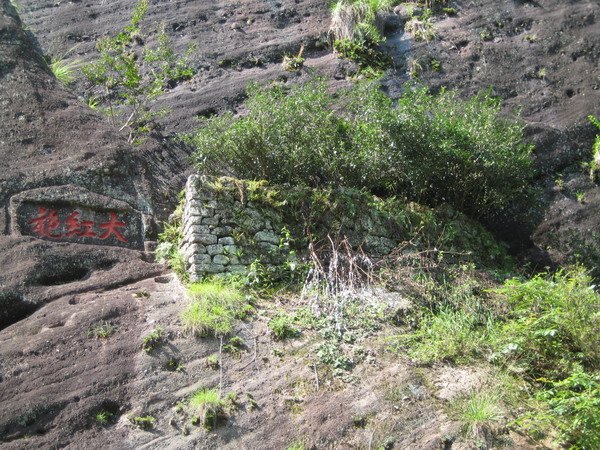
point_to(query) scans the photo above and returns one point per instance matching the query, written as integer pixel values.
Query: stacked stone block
(225, 233)
(210, 227)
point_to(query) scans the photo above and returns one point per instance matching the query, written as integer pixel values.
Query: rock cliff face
(71, 184)
(58, 155)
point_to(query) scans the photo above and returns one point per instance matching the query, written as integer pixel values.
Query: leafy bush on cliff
(425, 147)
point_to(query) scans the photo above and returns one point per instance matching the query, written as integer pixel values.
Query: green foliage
(296, 445)
(371, 62)
(234, 346)
(294, 63)
(102, 331)
(212, 361)
(104, 417)
(142, 293)
(209, 406)
(130, 76)
(281, 327)
(173, 365)
(421, 27)
(479, 412)
(215, 309)
(556, 324)
(356, 37)
(448, 335)
(572, 407)
(143, 422)
(429, 148)
(251, 401)
(64, 70)
(169, 242)
(544, 330)
(153, 340)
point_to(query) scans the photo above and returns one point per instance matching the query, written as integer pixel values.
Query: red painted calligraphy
(74, 226)
(111, 228)
(46, 224)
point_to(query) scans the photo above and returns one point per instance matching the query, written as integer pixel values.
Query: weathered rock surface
(53, 378)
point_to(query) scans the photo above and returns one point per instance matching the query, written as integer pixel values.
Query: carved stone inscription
(77, 216)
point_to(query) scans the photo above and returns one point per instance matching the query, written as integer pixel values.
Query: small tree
(595, 164)
(130, 76)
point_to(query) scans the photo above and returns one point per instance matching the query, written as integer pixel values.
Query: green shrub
(429, 148)
(276, 140)
(556, 323)
(450, 335)
(369, 59)
(215, 309)
(573, 407)
(143, 422)
(169, 242)
(129, 78)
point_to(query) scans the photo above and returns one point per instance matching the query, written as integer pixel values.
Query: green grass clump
(209, 406)
(479, 412)
(169, 242)
(215, 309)
(104, 417)
(143, 422)
(451, 335)
(545, 331)
(103, 330)
(64, 70)
(595, 162)
(573, 406)
(555, 324)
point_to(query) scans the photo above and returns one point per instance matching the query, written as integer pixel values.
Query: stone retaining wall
(226, 232)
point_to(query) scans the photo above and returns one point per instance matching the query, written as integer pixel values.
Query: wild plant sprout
(63, 69)
(355, 21)
(595, 164)
(129, 79)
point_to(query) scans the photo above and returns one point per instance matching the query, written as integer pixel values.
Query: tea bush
(427, 148)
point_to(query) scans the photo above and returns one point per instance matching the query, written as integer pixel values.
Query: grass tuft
(479, 413)
(215, 309)
(209, 406)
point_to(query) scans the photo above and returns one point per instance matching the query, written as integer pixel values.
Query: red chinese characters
(111, 228)
(74, 226)
(47, 224)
